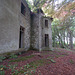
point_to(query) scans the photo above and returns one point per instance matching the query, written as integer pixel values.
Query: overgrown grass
(22, 58)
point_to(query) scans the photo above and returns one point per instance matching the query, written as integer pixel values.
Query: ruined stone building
(22, 29)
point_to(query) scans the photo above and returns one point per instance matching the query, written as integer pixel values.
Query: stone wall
(35, 30)
(25, 21)
(10, 21)
(38, 31)
(47, 30)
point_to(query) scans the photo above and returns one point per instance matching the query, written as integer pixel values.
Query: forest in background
(63, 25)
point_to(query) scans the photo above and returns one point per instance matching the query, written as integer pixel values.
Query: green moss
(22, 58)
(8, 53)
(40, 62)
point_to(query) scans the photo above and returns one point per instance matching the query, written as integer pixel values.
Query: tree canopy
(63, 25)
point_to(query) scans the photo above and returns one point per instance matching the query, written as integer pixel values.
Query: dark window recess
(46, 23)
(23, 9)
(21, 38)
(46, 40)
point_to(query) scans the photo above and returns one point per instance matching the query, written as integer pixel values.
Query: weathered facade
(41, 34)
(21, 29)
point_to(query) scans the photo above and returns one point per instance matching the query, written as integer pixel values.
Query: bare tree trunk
(67, 38)
(64, 37)
(71, 40)
(59, 41)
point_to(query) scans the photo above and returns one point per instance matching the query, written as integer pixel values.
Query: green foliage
(46, 5)
(2, 67)
(8, 54)
(55, 31)
(26, 69)
(2, 73)
(16, 72)
(60, 56)
(2, 58)
(49, 58)
(12, 67)
(61, 29)
(30, 72)
(13, 56)
(55, 22)
(22, 58)
(71, 61)
(20, 53)
(53, 61)
(27, 65)
(30, 4)
(38, 4)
